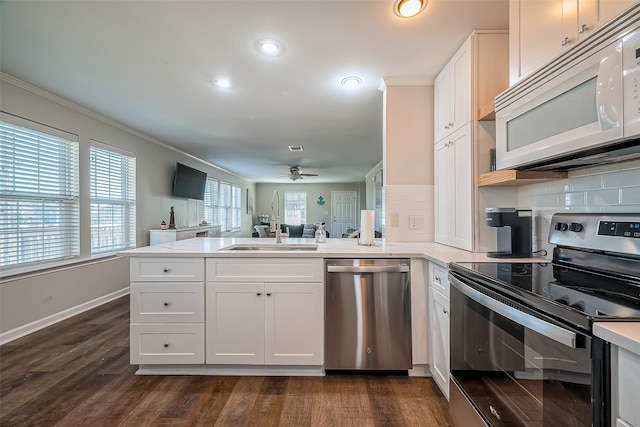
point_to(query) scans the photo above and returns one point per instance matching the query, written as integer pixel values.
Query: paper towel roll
(367, 225)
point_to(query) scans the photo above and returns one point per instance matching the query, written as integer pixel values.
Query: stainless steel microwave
(582, 109)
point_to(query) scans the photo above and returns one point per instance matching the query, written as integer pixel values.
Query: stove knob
(561, 226)
(576, 226)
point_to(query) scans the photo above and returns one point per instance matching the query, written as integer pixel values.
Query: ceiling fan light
(222, 83)
(409, 8)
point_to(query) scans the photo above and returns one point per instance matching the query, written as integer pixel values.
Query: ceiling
(150, 66)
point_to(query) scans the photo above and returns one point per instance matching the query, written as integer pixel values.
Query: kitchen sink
(271, 247)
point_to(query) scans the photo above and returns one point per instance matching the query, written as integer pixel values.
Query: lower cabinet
(439, 327)
(265, 323)
(628, 389)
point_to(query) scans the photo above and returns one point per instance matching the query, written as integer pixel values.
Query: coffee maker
(514, 232)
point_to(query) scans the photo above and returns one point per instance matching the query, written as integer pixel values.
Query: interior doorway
(344, 206)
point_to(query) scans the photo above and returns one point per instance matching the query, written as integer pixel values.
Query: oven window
(515, 375)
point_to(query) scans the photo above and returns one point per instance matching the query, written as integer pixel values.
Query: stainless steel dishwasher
(367, 314)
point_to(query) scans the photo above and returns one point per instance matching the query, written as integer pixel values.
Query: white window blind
(39, 200)
(224, 206)
(113, 199)
(211, 201)
(236, 208)
(295, 207)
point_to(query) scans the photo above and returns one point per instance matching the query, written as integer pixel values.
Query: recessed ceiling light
(223, 83)
(269, 47)
(409, 8)
(351, 82)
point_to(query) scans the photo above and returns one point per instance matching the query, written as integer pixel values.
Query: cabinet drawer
(167, 344)
(167, 302)
(167, 270)
(439, 280)
(286, 270)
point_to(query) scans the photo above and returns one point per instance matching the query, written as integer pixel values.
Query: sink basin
(272, 247)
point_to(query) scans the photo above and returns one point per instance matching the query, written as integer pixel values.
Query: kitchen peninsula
(200, 307)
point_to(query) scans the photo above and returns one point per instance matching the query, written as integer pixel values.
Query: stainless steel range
(522, 347)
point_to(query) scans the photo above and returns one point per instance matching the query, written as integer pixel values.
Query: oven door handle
(549, 330)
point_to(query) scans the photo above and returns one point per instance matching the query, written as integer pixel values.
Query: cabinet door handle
(166, 345)
(450, 125)
(258, 293)
(565, 41)
(268, 294)
(444, 310)
(583, 28)
(166, 270)
(446, 127)
(167, 303)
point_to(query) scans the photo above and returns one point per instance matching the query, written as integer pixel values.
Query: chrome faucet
(275, 217)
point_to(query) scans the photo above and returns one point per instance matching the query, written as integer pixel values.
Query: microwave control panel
(631, 76)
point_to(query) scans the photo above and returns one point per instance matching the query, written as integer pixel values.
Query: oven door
(516, 367)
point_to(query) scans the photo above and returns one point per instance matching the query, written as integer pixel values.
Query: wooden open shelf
(487, 112)
(515, 177)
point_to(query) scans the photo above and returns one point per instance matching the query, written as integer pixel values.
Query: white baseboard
(58, 317)
(235, 370)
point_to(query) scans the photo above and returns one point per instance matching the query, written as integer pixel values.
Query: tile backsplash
(603, 189)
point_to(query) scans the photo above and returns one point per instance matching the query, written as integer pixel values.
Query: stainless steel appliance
(523, 352)
(514, 232)
(368, 314)
(580, 109)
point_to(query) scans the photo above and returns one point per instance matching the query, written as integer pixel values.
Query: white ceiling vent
(296, 148)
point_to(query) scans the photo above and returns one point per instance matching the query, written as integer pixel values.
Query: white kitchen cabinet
(627, 377)
(454, 192)
(542, 29)
(452, 93)
(463, 153)
(439, 327)
(265, 311)
(157, 237)
(167, 311)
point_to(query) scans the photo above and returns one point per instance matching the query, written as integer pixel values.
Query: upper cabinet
(453, 93)
(542, 29)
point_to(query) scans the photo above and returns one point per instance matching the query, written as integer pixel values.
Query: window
(295, 207)
(230, 207)
(113, 199)
(211, 201)
(39, 200)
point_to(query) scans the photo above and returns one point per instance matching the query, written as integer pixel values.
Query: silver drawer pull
(167, 304)
(438, 279)
(268, 294)
(258, 293)
(166, 345)
(166, 270)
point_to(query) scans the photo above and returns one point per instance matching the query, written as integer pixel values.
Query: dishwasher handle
(400, 268)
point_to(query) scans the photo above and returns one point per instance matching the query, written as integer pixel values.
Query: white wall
(602, 189)
(31, 298)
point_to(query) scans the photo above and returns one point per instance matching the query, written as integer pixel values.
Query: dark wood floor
(77, 373)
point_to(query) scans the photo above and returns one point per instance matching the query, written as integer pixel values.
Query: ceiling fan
(295, 174)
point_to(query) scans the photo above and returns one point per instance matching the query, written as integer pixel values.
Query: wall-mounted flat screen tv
(189, 182)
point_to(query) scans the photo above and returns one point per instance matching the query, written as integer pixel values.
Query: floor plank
(77, 373)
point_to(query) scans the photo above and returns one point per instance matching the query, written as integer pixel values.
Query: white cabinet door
(235, 323)
(444, 175)
(628, 387)
(454, 195)
(453, 93)
(294, 323)
(439, 308)
(463, 194)
(442, 101)
(461, 87)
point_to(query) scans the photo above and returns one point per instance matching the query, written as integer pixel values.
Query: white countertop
(622, 334)
(333, 248)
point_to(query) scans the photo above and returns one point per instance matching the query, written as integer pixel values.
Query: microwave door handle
(608, 89)
(549, 330)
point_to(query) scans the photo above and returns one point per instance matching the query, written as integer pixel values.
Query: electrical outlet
(395, 220)
(416, 222)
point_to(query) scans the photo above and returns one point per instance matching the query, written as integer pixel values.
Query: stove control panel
(619, 229)
(613, 232)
